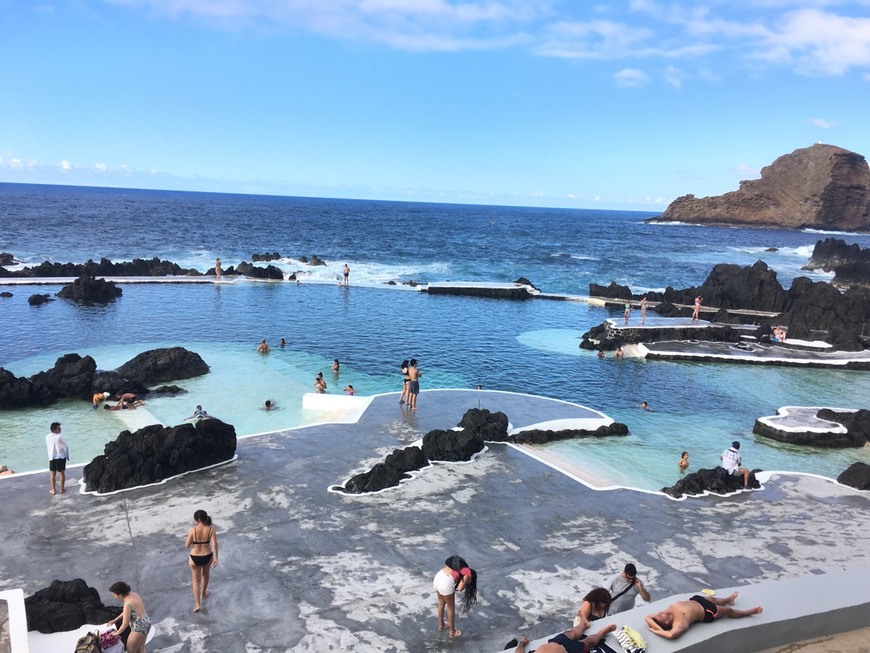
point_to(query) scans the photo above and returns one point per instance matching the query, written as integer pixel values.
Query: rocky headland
(820, 187)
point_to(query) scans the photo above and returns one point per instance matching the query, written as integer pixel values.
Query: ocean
(371, 326)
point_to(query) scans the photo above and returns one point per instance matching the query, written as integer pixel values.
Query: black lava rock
(66, 605)
(857, 476)
(716, 480)
(155, 453)
(160, 365)
(89, 289)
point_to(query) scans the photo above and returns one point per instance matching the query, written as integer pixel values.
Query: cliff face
(821, 186)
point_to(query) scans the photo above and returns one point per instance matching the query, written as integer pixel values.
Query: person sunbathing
(678, 617)
(571, 641)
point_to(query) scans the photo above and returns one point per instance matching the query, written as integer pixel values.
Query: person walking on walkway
(202, 542)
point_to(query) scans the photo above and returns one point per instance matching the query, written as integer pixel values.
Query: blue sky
(620, 105)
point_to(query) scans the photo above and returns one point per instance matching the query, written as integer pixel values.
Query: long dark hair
(457, 563)
(599, 597)
(470, 592)
(202, 517)
(404, 363)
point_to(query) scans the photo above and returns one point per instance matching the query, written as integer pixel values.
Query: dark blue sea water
(371, 326)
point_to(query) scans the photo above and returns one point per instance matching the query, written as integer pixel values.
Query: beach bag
(630, 640)
(110, 642)
(89, 643)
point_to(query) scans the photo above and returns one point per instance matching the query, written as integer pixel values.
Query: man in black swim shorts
(571, 641)
(678, 617)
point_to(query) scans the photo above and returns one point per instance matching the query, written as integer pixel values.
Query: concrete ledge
(15, 628)
(795, 609)
(344, 409)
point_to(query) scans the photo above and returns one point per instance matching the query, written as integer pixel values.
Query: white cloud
(674, 76)
(631, 77)
(101, 167)
(812, 36)
(65, 165)
(821, 122)
(820, 42)
(597, 39)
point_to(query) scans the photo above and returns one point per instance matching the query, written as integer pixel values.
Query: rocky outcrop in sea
(105, 268)
(76, 377)
(88, 289)
(820, 187)
(849, 263)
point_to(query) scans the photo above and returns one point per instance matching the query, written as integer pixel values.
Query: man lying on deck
(678, 617)
(571, 641)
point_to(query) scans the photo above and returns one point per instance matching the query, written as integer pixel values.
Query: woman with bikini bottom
(202, 542)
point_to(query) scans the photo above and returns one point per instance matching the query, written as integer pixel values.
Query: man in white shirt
(623, 587)
(58, 454)
(731, 461)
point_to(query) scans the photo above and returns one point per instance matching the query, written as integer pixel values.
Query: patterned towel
(630, 640)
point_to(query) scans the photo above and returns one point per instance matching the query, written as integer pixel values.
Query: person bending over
(678, 617)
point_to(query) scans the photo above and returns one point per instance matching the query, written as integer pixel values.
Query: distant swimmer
(199, 413)
(336, 366)
(269, 405)
(601, 354)
(281, 343)
(619, 353)
(696, 312)
(320, 383)
(644, 405)
(643, 306)
(349, 390)
(346, 272)
(263, 347)
(218, 271)
(627, 311)
(684, 461)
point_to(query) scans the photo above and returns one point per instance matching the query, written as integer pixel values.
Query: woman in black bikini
(203, 555)
(406, 381)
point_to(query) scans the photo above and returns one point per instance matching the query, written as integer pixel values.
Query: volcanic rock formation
(66, 605)
(155, 453)
(821, 186)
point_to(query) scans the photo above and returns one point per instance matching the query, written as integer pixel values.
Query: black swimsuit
(202, 561)
(711, 611)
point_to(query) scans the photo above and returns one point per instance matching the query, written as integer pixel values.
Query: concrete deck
(304, 569)
(753, 353)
